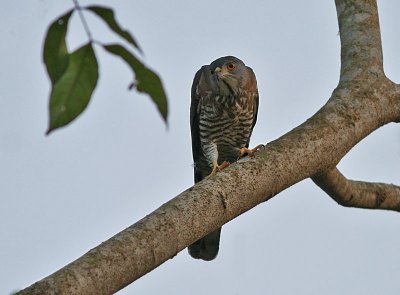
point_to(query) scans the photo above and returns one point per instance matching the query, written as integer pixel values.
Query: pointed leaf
(72, 92)
(107, 14)
(55, 52)
(146, 80)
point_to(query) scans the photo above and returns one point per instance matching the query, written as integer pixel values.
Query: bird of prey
(223, 112)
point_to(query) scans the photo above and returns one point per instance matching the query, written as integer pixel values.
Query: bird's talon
(223, 165)
(258, 147)
(218, 168)
(250, 152)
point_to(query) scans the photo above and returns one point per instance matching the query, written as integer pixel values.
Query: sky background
(63, 194)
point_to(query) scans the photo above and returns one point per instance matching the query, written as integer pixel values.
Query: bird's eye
(230, 66)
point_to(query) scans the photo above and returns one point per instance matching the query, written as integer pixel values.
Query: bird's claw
(218, 168)
(223, 165)
(250, 152)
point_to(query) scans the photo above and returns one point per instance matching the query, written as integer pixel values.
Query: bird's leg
(223, 165)
(217, 168)
(250, 152)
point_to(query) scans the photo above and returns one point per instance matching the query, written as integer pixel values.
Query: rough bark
(363, 101)
(359, 194)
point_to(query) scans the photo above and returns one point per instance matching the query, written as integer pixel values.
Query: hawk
(223, 112)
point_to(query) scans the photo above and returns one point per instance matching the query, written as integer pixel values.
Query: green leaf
(55, 52)
(107, 14)
(71, 93)
(146, 80)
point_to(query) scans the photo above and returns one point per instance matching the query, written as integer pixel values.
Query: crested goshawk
(223, 112)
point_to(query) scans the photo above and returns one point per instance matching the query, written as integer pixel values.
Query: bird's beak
(217, 73)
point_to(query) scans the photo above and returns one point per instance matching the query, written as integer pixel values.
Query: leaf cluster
(74, 75)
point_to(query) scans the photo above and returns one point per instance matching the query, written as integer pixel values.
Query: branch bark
(363, 101)
(359, 194)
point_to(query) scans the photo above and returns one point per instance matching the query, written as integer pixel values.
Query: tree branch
(307, 150)
(363, 101)
(361, 48)
(360, 194)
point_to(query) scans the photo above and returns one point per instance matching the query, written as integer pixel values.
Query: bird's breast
(226, 122)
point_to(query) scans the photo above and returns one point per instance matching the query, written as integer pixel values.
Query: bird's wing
(255, 109)
(194, 124)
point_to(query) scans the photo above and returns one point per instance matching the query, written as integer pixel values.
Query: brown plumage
(223, 113)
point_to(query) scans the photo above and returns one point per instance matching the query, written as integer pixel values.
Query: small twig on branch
(360, 194)
(83, 20)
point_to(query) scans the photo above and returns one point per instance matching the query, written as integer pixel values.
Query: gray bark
(359, 194)
(364, 100)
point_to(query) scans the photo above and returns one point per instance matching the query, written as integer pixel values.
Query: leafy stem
(74, 74)
(83, 20)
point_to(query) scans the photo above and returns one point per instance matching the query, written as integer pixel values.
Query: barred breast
(225, 125)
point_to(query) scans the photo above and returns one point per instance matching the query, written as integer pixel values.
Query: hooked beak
(217, 73)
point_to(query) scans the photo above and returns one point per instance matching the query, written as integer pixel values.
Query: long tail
(207, 247)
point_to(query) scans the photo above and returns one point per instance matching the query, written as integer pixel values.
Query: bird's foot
(217, 168)
(245, 151)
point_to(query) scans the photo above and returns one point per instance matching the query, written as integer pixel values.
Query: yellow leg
(250, 152)
(217, 168)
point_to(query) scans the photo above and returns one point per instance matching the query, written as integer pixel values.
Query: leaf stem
(83, 20)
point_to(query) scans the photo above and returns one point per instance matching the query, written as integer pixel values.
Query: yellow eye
(230, 66)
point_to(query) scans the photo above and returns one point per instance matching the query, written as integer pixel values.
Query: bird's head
(232, 76)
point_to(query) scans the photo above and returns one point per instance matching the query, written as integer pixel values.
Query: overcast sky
(63, 194)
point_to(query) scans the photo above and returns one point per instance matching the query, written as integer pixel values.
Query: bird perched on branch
(223, 113)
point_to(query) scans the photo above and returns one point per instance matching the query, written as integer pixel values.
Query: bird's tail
(207, 247)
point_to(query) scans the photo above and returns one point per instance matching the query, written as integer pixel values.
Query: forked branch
(364, 101)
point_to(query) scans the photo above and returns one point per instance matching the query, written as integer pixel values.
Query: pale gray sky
(64, 194)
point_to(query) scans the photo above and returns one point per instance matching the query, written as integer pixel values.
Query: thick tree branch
(360, 194)
(361, 48)
(363, 101)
